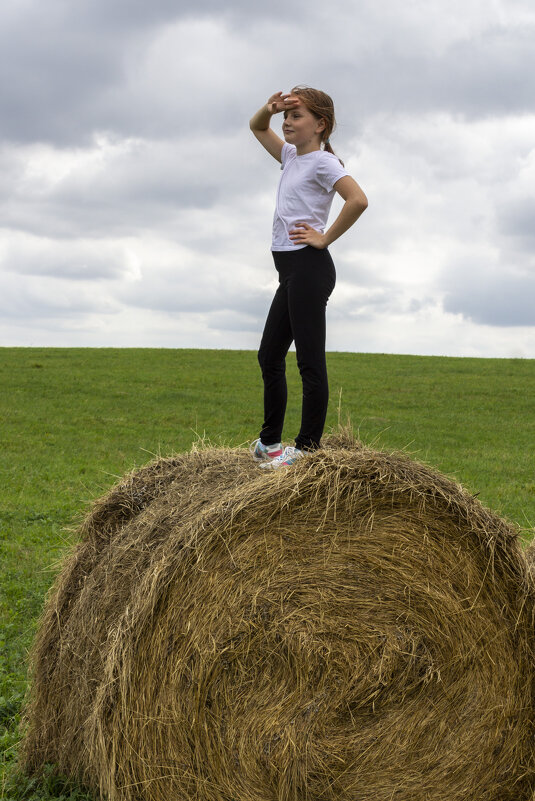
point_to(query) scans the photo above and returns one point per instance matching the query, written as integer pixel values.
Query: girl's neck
(302, 150)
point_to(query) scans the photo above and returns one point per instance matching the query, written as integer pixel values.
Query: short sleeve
(287, 152)
(329, 170)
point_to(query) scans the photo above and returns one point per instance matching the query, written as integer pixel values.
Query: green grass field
(74, 420)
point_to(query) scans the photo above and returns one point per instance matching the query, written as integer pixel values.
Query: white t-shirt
(305, 193)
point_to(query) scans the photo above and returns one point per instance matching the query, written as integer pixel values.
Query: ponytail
(328, 148)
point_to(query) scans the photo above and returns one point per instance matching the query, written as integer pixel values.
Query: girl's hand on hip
(281, 102)
(304, 234)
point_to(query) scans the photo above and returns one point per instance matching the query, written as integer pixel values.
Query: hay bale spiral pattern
(356, 627)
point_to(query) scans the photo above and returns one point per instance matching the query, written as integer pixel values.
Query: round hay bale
(355, 627)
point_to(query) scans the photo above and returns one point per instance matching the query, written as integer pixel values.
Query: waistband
(306, 257)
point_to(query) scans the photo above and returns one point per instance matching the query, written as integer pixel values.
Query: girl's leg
(310, 285)
(276, 340)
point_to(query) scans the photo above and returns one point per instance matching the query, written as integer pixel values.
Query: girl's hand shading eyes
(282, 102)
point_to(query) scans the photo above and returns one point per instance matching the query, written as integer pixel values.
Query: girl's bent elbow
(362, 202)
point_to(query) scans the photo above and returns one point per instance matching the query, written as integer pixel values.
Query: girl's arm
(355, 204)
(259, 123)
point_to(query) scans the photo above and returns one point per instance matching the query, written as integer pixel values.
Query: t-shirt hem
(278, 248)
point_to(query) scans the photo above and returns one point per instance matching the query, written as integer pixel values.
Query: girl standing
(311, 174)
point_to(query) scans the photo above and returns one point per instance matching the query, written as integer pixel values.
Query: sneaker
(289, 456)
(264, 453)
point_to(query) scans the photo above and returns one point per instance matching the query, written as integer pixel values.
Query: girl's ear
(321, 125)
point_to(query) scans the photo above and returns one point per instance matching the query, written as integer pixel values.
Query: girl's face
(302, 129)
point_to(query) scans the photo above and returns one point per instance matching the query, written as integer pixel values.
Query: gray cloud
(82, 260)
(28, 303)
(74, 69)
(517, 221)
(148, 70)
(486, 74)
(505, 302)
(54, 68)
(189, 286)
(495, 293)
(120, 188)
(230, 320)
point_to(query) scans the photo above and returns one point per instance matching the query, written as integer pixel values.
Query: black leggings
(306, 280)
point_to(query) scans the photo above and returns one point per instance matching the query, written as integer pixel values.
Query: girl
(310, 177)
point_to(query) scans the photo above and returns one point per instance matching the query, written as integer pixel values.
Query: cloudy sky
(136, 205)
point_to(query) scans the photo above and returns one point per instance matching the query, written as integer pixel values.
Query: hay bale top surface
(196, 481)
(357, 626)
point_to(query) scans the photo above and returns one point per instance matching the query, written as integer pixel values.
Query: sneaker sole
(262, 460)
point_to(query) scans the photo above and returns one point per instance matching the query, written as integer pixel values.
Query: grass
(74, 420)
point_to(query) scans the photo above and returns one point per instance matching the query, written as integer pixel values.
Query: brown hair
(322, 107)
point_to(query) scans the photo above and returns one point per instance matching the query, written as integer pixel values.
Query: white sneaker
(263, 453)
(288, 457)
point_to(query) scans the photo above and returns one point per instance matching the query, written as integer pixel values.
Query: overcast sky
(136, 205)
